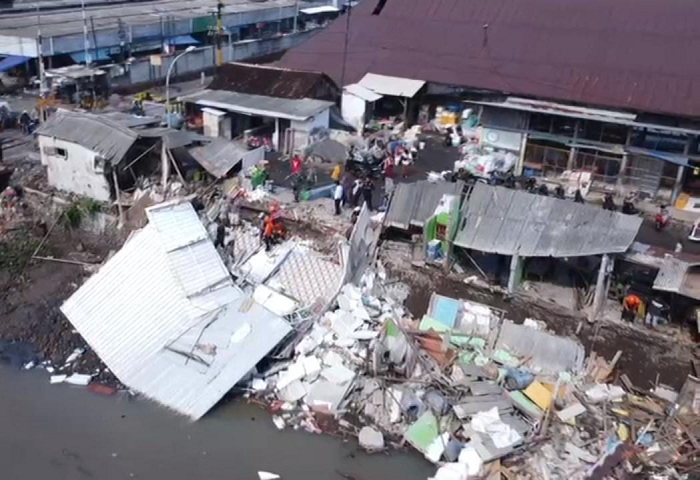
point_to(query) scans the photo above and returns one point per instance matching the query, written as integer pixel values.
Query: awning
(361, 92)
(394, 86)
(102, 54)
(183, 40)
(317, 10)
(12, 61)
(666, 157)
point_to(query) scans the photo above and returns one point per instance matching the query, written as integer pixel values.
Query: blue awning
(12, 61)
(102, 54)
(183, 40)
(666, 157)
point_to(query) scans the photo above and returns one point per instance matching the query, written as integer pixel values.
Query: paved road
(61, 432)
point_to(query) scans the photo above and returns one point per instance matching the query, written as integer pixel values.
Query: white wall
(302, 129)
(75, 173)
(353, 110)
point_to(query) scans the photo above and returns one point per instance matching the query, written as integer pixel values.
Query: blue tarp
(12, 61)
(102, 54)
(666, 157)
(182, 40)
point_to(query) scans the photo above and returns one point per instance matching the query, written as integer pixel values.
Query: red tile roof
(639, 55)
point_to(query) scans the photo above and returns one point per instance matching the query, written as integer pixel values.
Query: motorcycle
(629, 208)
(362, 166)
(609, 203)
(662, 219)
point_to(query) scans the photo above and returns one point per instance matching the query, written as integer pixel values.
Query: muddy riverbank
(64, 432)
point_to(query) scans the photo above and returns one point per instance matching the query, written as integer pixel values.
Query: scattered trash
(268, 476)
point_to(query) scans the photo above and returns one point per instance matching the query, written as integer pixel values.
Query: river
(65, 432)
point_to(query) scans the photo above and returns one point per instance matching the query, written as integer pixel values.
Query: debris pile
(475, 393)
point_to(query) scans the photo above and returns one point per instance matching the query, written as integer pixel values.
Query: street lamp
(189, 49)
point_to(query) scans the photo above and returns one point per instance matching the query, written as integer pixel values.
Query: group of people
(349, 193)
(654, 313)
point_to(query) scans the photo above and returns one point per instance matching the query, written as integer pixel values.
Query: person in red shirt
(296, 164)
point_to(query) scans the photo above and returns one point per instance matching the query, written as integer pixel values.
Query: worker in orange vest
(630, 307)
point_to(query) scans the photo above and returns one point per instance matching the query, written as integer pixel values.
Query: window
(56, 152)
(99, 165)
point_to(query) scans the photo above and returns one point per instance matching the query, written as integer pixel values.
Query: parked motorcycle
(662, 219)
(364, 166)
(628, 207)
(609, 203)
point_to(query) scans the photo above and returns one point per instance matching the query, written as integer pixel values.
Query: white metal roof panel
(321, 9)
(259, 105)
(136, 307)
(393, 86)
(306, 277)
(361, 92)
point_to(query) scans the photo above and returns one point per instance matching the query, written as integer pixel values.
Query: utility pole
(86, 42)
(219, 33)
(345, 46)
(39, 52)
(296, 16)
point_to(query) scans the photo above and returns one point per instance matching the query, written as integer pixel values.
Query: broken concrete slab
(472, 405)
(485, 388)
(572, 411)
(325, 396)
(604, 392)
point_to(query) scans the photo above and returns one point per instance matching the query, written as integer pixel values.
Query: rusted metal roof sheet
(508, 222)
(273, 82)
(612, 53)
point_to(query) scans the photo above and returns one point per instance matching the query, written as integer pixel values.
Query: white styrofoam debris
(312, 366)
(371, 439)
(571, 411)
(279, 422)
(293, 373)
(332, 358)
(293, 392)
(364, 334)
(267, 475)
(75, 355)
(437, 447)
(57, 378)
(338, 374)
(452, 471)
(29, 365)
(78, 379)
(602, 392)
(258, 384)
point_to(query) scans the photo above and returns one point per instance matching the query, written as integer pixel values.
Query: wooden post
(119, 199)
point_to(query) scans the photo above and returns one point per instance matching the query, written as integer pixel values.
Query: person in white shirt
(337, 197)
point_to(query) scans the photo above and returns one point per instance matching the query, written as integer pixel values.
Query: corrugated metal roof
(671, 275)
(306, 277)
(109, 138)
(300, 110)
(219, 156)
(273, 82)
(414, 203)
(163, 289)
(507, 222)
(595, 52)
(394, 86)
(361, 92)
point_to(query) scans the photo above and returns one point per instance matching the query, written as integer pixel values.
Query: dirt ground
(645, 353)
(32, 291)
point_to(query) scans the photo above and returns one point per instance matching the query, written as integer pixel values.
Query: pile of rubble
(473, 392)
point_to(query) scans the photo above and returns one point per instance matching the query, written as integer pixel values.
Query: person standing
(630, 307)
(296, 164)
(337, 196)
(367, 188)
(337, 172)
